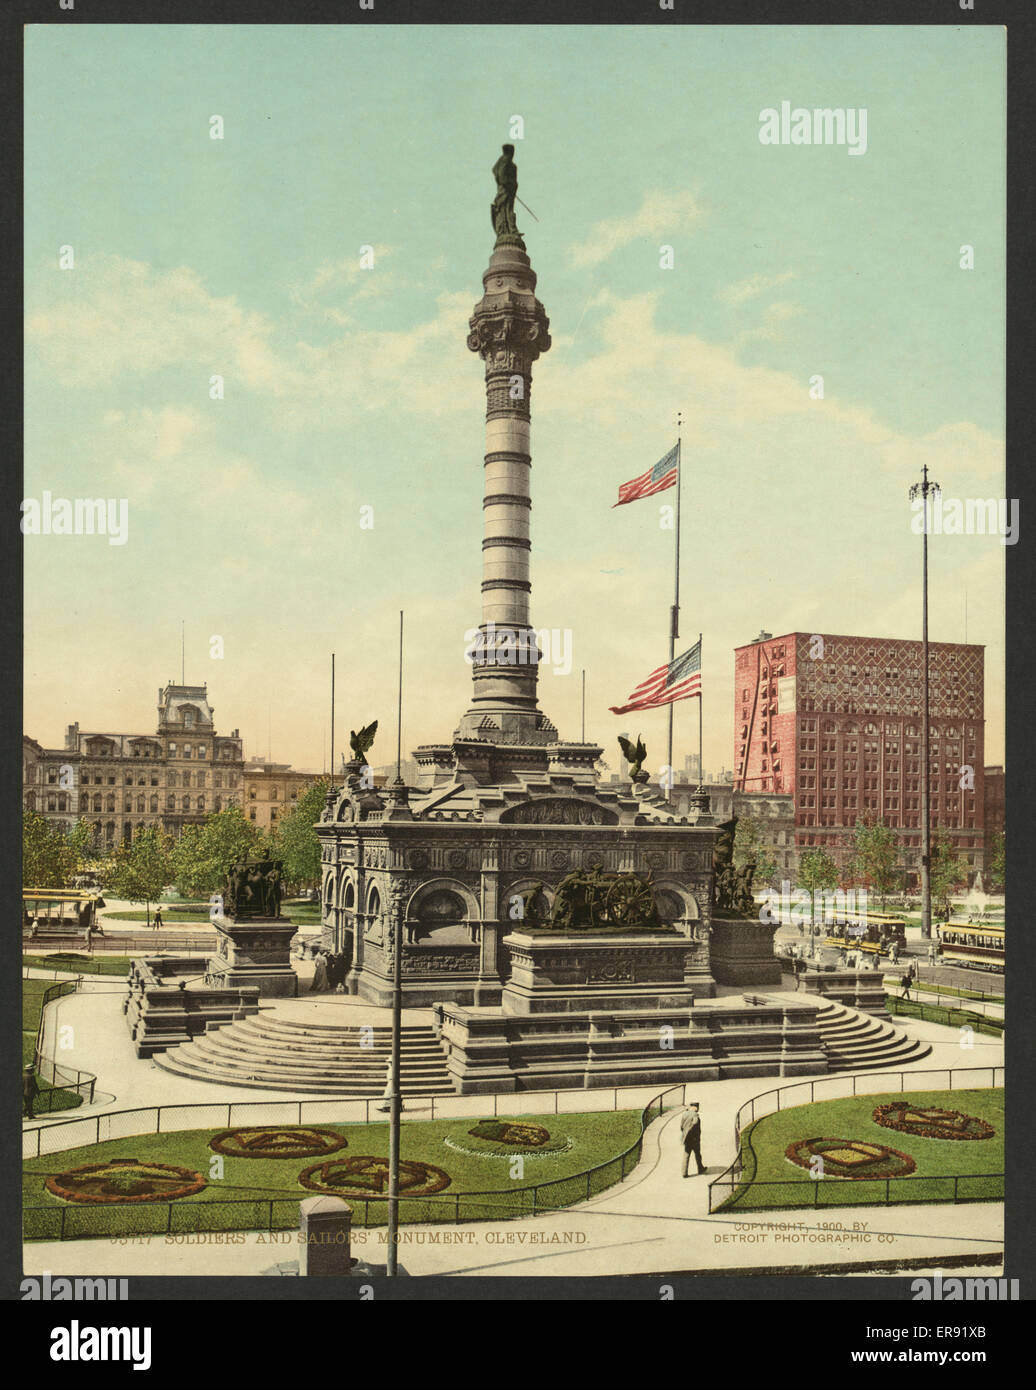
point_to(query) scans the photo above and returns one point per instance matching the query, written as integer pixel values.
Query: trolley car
(60, 911)
(874, 935)
(977, 944)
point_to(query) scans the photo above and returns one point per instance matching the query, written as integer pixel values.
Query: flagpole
(701, 765)
(674, 616)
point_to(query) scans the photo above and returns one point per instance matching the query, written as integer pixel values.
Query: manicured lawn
(32, 1004)
(932, 986)
(770, 1179)
(932, 1012)
(79, 965)
(242, 1197)
(198, 917)
(306, 914)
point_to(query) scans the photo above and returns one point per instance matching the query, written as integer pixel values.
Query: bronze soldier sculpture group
(254, 888)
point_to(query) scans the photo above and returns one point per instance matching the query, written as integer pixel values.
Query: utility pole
(923, 490)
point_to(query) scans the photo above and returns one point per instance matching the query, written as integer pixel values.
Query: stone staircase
(270, 1053)
(856, 1041)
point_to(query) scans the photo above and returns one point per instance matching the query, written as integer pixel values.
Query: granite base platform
(489, 1050)
(741, 951)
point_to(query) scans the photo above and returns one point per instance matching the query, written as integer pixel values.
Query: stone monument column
(509, 331)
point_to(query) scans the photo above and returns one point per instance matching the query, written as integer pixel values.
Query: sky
(347, 388)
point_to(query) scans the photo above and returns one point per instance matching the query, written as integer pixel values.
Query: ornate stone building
(272, 790)
(505, 810)
(172, 778)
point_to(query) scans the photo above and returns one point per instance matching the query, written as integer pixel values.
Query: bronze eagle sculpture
(361, 742)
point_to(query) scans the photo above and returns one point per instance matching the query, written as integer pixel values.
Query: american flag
(679, 679)
(656, 479)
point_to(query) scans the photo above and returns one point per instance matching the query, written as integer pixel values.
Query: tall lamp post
(923, 490)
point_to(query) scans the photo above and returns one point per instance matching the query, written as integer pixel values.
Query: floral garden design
(272, 1142)
(367, 1176)
(933, 1122)
(851, 1158)
(125, 1180)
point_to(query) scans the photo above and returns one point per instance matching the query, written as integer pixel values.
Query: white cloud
(772, 328)
(661, 214)
(116, 318)
(743, 290)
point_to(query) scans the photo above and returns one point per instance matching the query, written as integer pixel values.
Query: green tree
(204, 853)
(296, 840)
(82, 839)
(143, 868)
(876, 854)
(817, 872)
(750, 849)
(997, 866)
(49, 860)
(949, 871)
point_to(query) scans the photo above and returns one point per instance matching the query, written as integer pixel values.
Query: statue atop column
(505, 171)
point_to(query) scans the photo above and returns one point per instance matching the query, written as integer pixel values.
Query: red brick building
(995, 801)
(836, 723)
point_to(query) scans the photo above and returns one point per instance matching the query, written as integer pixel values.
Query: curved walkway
(654, 1222)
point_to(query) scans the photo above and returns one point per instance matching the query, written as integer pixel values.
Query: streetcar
(976, 944)
(874, 935)
(61, 911)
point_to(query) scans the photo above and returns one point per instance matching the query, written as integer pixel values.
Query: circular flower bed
(931, 1122)
(514, 1133)
(366, 1176)
(502, 1138)
(851, 1158)
(271, 1142)
(125, 1180)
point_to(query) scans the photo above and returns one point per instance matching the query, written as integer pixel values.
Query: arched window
(201, 803)
(140, 804)
(187, 803)
(170, 803)
(154, 804)
(373, 901)
(350, 896)
(110, 804)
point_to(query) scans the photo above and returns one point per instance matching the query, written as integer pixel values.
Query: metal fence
(62, 1079)
(950, 1017)
(860, 1192)
(281, 1213)
(155, 943)
(67, 1082)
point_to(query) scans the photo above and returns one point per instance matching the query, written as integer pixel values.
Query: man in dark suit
(690, 1131)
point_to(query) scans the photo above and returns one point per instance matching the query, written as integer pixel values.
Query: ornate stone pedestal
(741, 951)
(254, 951)
(553, 973)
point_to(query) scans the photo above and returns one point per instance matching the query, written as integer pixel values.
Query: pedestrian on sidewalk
(157, 919)
(30, 1090)
(690, 1131)
(906, 981)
